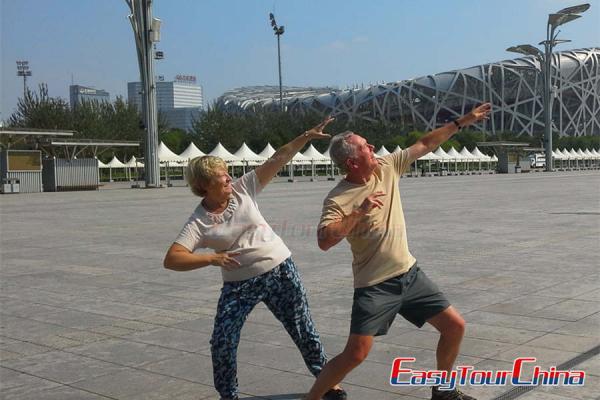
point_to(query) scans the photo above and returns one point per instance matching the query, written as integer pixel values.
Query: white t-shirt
(240, 228)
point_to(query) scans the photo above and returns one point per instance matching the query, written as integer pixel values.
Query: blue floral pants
(282, 292)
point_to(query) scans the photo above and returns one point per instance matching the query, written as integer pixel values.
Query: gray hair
(340, 150)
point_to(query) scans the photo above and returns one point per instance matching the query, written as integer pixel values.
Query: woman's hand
(226, 260)
(317, 131)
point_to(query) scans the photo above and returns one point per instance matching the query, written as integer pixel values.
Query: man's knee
(449, 323)
(357, 350)
(455, 326)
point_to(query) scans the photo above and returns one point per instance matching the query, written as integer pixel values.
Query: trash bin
(6, 186)
(15, 185)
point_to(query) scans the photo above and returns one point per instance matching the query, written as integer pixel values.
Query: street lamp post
(545, 61)
(23, 70)
(146, 31)
(278, 30)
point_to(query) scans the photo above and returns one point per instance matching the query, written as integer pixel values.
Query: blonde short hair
(201, 170)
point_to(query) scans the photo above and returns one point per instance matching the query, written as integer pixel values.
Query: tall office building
(78, 93)
(179, 102)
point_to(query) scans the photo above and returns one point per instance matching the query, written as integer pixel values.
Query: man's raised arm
(435, 138)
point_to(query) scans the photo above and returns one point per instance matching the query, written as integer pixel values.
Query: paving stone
(588, 326)
(170, 338)
(565, 342)
(62, 367)
(570, 310)
(127, 353)
(103, 291)
(129, 383)
(19, 386)
(61, 392)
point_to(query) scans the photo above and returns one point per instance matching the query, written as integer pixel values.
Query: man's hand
(372, 201)
(226, 260)
(477, 114)
(317, 131)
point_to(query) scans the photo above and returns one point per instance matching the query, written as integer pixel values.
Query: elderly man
(365, 208)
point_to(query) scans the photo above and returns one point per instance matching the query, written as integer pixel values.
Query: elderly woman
(255, 263)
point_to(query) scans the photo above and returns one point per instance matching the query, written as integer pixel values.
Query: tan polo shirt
(378, 241)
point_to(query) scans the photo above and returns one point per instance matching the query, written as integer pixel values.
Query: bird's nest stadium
(514, 87)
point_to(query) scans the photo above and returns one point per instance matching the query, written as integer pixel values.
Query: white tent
(456, 156)
(574, 154)
(246, 155)
(332, 170)
(427, 157)
(299, 159)
(101, 164)
(430, 157)
(444, 157)
(221, 152)
(382, 152)
(165, 155)
(468, 155)
(480, 156)
(314, 155)
(566, 154)
(267, 152)
(589, 154)
(134, 163)
(191, 152)
(441, 153)
(397, 149)
(558, 155)
(115, 163)
(316, 158)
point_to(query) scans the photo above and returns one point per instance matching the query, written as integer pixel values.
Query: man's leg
(357, 349)
(452, 329)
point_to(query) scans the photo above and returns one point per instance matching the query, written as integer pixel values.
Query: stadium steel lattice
(514, 87)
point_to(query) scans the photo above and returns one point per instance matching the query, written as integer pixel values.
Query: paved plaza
(88, 312)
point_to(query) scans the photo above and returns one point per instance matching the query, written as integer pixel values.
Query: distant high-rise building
(179, 102)
(78, 93)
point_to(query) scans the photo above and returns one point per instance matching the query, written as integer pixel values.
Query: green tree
(40, 111)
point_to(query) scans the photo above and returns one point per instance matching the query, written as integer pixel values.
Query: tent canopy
(221, 152)
(166, 155)
(314, 155)
(382, 152)
(244, 153)
(267, 152)
(191, 152)
(115, 163)
(441, 153)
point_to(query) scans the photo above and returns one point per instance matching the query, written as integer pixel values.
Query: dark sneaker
(335, 394)
(230, 398)
(455, 394)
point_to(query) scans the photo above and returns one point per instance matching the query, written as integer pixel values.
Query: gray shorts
(412, 295)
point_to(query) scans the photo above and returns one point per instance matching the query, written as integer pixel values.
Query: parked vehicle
(537, 160)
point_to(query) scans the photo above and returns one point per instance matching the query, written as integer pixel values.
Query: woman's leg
(235, 304)
(286, 298)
